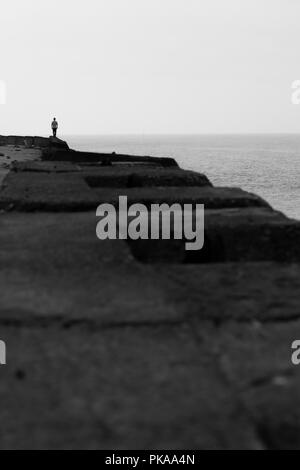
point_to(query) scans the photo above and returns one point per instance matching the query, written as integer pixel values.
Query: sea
(267, 165)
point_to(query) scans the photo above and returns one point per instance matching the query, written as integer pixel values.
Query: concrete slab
(53, 269)
(105, 352)
(117, 389)
(30, 190)
(106, 159)
(231, 235)
(44, 167)
(143, 177)
(11, 153)
(116, 345)
(255, 359)
(33, 141)
(212, 198)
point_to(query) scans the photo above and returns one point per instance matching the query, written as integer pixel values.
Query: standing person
(54, 126)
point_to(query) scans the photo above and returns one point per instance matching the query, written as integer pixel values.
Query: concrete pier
(137, 345)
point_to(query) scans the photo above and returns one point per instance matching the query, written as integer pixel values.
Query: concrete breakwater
(140, 344)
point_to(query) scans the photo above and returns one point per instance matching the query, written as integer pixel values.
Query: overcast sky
(149, 66)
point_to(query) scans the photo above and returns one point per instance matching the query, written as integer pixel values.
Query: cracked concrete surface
(108, 352)
(13, 153)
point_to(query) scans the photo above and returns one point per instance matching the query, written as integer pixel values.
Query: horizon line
(187, 134)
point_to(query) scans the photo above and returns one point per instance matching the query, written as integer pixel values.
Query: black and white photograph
(150, 227)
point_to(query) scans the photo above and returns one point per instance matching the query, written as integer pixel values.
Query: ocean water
(268, 165)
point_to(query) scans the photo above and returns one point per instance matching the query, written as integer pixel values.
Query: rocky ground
(116, 345)
(14, 153)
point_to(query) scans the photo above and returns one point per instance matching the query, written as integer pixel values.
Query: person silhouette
(54, 127)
